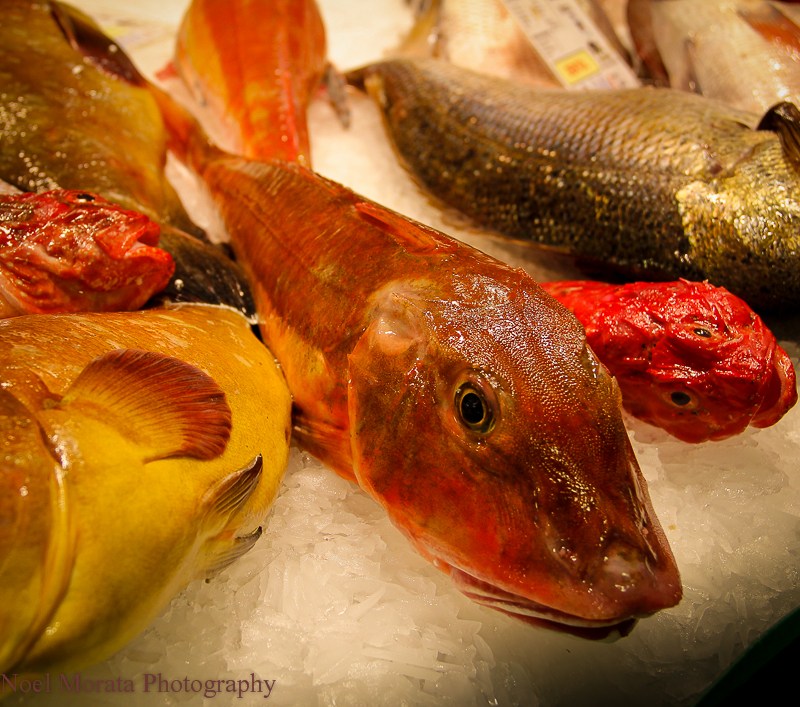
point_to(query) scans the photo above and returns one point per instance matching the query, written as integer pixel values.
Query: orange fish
(449, 386)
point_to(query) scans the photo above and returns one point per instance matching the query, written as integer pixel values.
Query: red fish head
(67, 251)
(715, 365)
(504, 458)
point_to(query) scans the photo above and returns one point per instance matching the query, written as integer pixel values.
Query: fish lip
(779, 391)
(533, 612)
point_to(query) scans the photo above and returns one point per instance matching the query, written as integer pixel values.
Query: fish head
(504, 458)
(68, 250)
(715, 365)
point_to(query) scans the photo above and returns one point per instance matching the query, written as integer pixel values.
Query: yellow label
(576, 67)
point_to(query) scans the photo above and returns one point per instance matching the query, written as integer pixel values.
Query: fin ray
(167, 406)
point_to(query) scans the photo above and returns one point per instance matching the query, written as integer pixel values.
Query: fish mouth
(535, 613)
(779, 391)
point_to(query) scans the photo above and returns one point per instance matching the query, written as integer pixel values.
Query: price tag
(570, 43)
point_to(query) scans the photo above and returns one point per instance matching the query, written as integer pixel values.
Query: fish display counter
(332, 605)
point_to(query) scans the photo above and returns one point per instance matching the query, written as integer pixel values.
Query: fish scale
(448, 385)
(649, 182)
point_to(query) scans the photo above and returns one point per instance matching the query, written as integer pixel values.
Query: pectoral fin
(784, 119)
(166, 406)
(224, 501)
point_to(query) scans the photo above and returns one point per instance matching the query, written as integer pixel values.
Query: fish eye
(474, 411)
(680, 398)
(84, 198)
(702, 331)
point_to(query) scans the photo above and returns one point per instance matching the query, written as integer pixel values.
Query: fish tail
(262, 98)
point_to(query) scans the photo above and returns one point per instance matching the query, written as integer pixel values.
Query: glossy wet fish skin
(84, 573)
(75, 113)
(70, 251)
(280, 102)
(65, 122)
(658, 184)
(741, 52)
(689, 357)
(402, 329)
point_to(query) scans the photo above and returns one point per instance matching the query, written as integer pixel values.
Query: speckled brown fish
(657, 183)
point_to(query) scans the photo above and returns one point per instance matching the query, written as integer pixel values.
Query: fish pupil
(705, 333)
(84, 197)
(681, 398)
(472, 408)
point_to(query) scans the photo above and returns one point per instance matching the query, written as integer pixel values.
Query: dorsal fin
(413, 236)
(784, 119)
(165, 405)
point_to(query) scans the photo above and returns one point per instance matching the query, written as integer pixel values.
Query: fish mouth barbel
(448, 385)
(653, 183)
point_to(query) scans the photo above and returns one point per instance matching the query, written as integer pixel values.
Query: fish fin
(784, 119)
(336, 88)
(230, 493)
(165, 405)
(224, 500)
(425, 39)
(773, 25)
(224, 559)
(86, 37)
(412, 235)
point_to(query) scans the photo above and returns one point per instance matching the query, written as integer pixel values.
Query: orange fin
(166, 406)
(411, 235)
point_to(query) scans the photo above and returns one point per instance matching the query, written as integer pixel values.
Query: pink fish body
(689, 357)
(70, 251)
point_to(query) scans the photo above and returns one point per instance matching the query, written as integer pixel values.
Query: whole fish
(75, 114)
(137, 453)
(449, 386)
(69, 251)
(656, 183)
(689, 357)
(743, 52)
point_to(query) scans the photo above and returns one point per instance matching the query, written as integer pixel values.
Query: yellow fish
(138, 451)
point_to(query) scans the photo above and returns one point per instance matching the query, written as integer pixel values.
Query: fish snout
(779, 391)
(636, 580)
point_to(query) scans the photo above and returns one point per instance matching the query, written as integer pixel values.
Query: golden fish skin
(652, 182)
(140, 450)
(64, 122)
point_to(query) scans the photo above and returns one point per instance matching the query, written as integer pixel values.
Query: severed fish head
(66, 251)
(504, 458)
(707, 366)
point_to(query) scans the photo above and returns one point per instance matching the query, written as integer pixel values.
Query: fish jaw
(545, 515)
(67, 251)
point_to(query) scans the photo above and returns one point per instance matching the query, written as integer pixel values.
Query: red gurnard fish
(449, 386)
(70, 251)
(689, 357)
